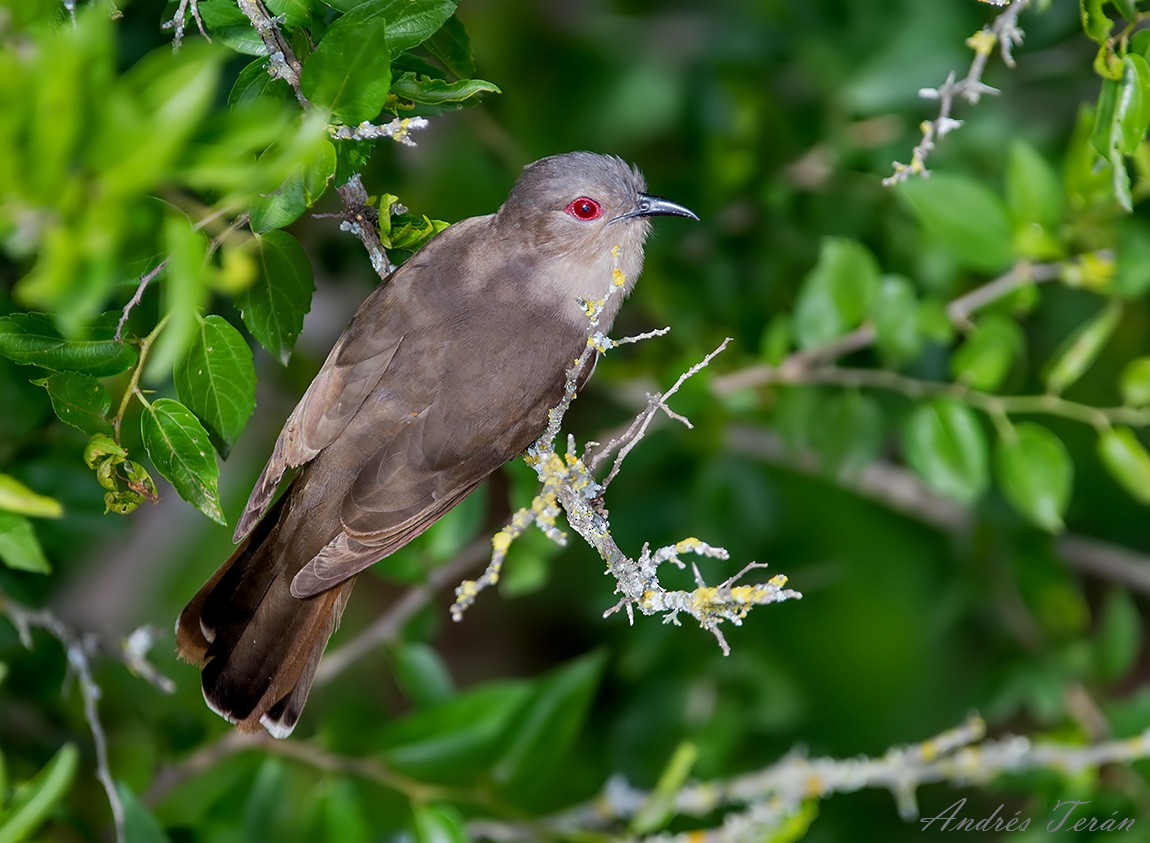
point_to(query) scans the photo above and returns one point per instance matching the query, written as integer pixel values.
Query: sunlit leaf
(20, 549)
(431, 91)
(946, 445)
(16, 497)
(986, 355)
(349, 74)
(1126, 460)
(1135, 382)
(1036, 474)
(836, 295)
(181, 450)
(35, 801)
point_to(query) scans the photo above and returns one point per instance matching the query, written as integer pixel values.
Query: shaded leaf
(895, 317)
(452, 46)
(421, 674)
(986, 355)
(1118, 640)
(181, 450)
(1034, 197)
(274, 306)
(966, 217)
(836, 295)
(1036, 474)
(1081, 349)
(254, 83)
(216, 379)
(549, 721)
(945, 444)
(79, 400)
(19, 548)
(229, 26)
(411, 22)
(32, 339)
(139, 824)
(848, 432)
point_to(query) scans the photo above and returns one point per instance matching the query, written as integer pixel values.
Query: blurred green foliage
(1017, 421)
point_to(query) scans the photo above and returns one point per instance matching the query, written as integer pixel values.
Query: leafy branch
(569, 484)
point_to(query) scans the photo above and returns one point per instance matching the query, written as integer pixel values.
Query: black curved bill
(655, 206)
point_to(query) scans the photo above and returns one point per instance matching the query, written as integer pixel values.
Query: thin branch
(1004, 33)
(903, 491)
(179, 21)
(361, 218)
(80, 648)
(959, 311)
(756, 805)
(282, 62)
(568, 483)
(141, 286)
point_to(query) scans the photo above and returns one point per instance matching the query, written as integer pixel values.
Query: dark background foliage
(776, 121)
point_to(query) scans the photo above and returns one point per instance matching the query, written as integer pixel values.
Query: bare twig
(80, 648)
(1004, 33)
(282, 62)
(179, 21)
(568, 483)
(141, 286)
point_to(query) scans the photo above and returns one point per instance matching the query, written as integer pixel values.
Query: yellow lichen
(982, 42)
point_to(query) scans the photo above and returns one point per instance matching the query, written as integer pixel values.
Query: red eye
(584, 208)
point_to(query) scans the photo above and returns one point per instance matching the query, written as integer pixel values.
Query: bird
(447, 370)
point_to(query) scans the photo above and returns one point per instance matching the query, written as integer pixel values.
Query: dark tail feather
(259, 646)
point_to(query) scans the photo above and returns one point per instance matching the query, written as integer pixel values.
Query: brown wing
(448, 415)
(360, 358)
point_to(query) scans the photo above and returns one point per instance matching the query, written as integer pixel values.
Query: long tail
(259, 646)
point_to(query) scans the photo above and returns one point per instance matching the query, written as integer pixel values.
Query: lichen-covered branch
(1003, 33)
(756, 805)
(569, 484)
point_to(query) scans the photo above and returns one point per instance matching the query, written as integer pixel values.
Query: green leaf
(986, 355)
(966, 217)
(1118, 639)
(31, 339)
(431, 91)
(895, 317)
(16, 497)
(945, 444)
(19, 548)
(659, 807)
(216, 379)
(139, 824)
(1126, 460)
(298, 192)
(38, 798)
(181, 450)
(548, 723)
(458, 740)
(1034, 197)
(1132, 258)
(79, 400)
(439, 824)
(421, 674)
(274, 306)
(1135, 381)
(231, 27)
(848, 432)
(452, 46)
(837, 294)
(254, 83)
(775, 343)
(349, 74)
(1094, 21)
(410, 22)
(1082, 348)
(1036, 474)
